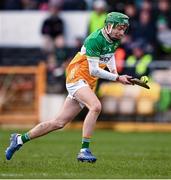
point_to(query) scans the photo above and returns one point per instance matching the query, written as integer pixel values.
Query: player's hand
(125, 79)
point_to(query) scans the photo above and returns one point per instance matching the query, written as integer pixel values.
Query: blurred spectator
(146, 5)
(131, 11)
(98, 16)
(126, 43)
(164, 11)
(117, 5)
(137, 63)
(42, 5)
(56, 64)
(29, 4)
(164, 29)
(164, 39)
(20, 4)
(53, 32)
(51, 79)
(74, 5)
(89, 4)
(61, 52)
(145, 30)
(53, 26)
(120, 56)
(78, 43)
(12, 5)
(76, 46)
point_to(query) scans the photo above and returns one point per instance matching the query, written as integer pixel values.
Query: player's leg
(69, 110)
(88, 97)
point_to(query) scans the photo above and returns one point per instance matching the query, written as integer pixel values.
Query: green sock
(25, 137)
(85, 142)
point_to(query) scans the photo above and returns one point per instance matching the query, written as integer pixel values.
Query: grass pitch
(120, 155)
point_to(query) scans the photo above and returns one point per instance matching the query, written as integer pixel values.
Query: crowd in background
(148, 37)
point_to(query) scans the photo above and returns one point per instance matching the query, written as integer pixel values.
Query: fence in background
(20, 92)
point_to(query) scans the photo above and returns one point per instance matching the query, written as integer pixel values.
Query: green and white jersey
(98, 45)
(89, 64)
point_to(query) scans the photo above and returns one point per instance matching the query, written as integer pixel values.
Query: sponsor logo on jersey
(104, 59)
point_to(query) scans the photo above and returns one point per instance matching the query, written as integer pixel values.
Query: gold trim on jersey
(79, 69)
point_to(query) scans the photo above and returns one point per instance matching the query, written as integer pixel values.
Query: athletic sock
(85, 142)
(19, 140)
(25, 137)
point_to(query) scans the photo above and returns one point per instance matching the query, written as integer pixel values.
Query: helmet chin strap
(109, 32)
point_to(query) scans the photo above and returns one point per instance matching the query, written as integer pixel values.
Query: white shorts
(73, 87)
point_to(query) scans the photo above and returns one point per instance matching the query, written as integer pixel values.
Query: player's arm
(93, 50)
(112, 68)
(96, 71)
(112, 65)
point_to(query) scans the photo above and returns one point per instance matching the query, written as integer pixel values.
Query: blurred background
(38, 38)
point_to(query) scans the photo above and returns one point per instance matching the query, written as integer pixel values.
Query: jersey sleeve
(112, 64)
(93, 48)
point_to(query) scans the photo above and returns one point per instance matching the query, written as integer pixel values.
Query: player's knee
(58, 124)
(96, 107)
